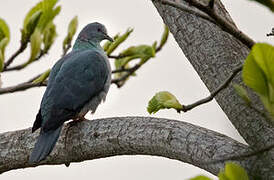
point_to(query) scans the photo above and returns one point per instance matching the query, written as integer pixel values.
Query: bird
(77, 84)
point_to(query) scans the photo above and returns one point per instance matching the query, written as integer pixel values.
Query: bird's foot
(76, 120)
(80, 119)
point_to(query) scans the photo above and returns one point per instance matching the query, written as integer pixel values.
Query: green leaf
(122, 63)
(267, 3)
(4, 30)
(144, 52)
(1, 83)
(242, 93)
(33, 10)
(32, 23)
(235, 172)
(141, 51)
(154, 45)
(71, 32)
(43, 77)
(253, 76)
(48, 13)
(163, 100)
(258, 73)
(35, 42)
(118, 41)
(47, 17)
(49, 36)
(4, 40)
(200, 178)
(108, 43)
(1, 61)
(73, 26)
(222, 176)
(39, 17)
(3, 44)
(164, 37)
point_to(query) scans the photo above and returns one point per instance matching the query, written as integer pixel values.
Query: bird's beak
(108, 38)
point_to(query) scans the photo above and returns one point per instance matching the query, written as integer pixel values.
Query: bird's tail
(44, 145)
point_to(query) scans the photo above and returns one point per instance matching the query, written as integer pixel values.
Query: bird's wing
(80, 77)
(54, 71)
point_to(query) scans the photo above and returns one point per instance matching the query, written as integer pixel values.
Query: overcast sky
(169, 70)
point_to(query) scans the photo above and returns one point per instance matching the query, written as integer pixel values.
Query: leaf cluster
(232, 171)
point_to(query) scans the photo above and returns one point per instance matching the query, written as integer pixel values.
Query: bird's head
(94, 32)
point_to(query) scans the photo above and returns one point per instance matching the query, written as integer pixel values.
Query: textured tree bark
(125, 136)
(214, 54)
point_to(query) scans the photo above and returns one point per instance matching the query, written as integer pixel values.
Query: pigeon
(77, 84)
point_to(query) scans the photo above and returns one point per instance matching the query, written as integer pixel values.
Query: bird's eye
(99, 30)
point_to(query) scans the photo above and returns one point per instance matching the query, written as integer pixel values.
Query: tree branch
(65, 50)
(271, 33)
(258, 152)
(124, 136)
(29, 84)
(23, 86)
(213, 53)
(115, 56)
(22, 66)
(187, 9)
(22, 47)
(129, 72)
(219, 20)
(224, 85)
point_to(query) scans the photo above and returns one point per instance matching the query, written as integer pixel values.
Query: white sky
(168, 71)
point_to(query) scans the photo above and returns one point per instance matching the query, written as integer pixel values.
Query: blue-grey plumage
(78, 82)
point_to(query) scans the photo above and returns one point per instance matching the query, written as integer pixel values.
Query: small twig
(186, 108)
(22, 66)
(66, 49)
(21, 87)
(243, 155)
(116, 57)
(22, 47)
(123, 69)
(222, 23)
(271, 33)
(130, 71)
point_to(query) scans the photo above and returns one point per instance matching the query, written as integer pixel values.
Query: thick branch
(214, 53)
(213, 17)
(223, 23)
(125, 136)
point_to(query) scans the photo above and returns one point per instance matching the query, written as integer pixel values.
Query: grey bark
(214, 54)
(125, 136)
